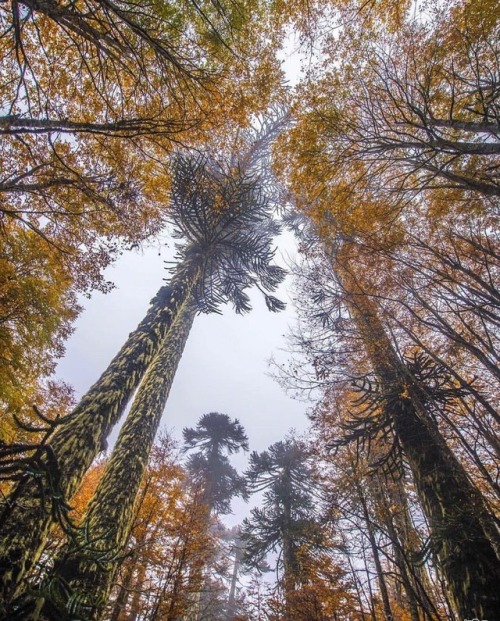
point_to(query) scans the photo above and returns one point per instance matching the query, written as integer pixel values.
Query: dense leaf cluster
(225, 221)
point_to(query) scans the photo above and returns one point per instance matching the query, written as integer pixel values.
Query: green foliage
(225, 221)
(214, 435)
(290, 515)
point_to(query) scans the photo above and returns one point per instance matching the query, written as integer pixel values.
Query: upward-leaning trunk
(231, 602)
(382, 584)
(289, 555)
(27, 517)
(462, 530)
(385, 494)
(110, 515)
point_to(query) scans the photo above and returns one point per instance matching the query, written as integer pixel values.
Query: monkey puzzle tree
(464, 534)
(400, 401)
(225, 221)
(214, 435)
(289, 517)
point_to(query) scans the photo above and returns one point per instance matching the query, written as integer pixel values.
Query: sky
(225, 365)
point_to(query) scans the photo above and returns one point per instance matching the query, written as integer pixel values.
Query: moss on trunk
(111, 510)
(463, 533)
(26, 522)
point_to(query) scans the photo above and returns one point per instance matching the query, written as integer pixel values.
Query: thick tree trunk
(26, 521)
(462, 531)
(110, 514)
(456, 514)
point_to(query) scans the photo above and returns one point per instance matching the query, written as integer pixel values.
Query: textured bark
(455, 512)
(111, 512)
(26, 522)
(462, 531)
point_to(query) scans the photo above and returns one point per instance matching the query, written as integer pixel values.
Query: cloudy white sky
(225, 366)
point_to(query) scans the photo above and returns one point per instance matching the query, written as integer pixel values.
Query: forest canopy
(367, 131)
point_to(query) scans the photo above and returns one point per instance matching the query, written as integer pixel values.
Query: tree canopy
(123, 123)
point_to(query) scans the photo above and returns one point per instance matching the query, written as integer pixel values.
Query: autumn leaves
(119, 118)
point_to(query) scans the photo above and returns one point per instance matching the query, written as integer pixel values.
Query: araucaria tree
(288, 521)
(396, 142)
(214, 435)
(214, 438)
(401, 399)
(225, 220)
(93, 97)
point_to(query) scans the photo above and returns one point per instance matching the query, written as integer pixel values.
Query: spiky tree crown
(283, 470)
(218, 432)
(224, 219)
(214, 435)
(286, 478)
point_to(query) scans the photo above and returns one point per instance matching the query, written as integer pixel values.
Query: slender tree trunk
(406, 541)
(25, 523)
(376, 557)
(123, 595)
(231, 603)
(110, 514)
(135, 604)
(289, 560)
(398, 540)
(356, 582)
(462, 530)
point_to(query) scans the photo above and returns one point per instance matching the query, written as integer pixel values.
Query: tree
(160, 568)
(400, 411)
(168, 545)
(227, 226)
(94, 98)
(37, 306)
(392, 115)
(214, 435)
(289, 520)
(372, 157)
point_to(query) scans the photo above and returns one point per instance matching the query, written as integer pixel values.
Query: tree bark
(462, 530)
(111, 513)
(26, 522)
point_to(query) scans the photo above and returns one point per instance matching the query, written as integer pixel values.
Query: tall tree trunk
(382, 584)
(26, 521)
(406, 542)
(399, 542)
(462, 531)
(289, 557)
(123, 595)
(135, 604)
(231, 602)
(110, 515)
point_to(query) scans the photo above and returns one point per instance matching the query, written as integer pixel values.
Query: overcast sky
(225, 365)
